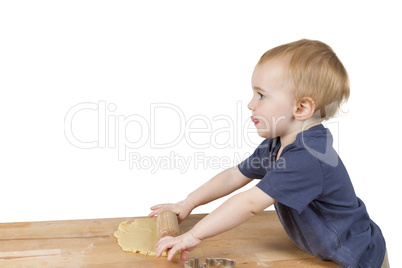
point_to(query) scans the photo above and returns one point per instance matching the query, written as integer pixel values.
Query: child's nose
(251, 106)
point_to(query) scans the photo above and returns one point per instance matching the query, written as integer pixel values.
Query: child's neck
(285, 141)
(290, 137)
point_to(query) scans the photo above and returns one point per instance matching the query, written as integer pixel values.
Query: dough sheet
(139, 236)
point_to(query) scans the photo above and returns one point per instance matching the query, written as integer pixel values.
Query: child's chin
(265, 134)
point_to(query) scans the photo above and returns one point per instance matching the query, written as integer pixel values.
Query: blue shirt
(317, 204)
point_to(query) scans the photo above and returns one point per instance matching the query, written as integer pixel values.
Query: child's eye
(261, 96)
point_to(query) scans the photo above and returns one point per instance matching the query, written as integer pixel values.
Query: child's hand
(185, 242)
(182, 209)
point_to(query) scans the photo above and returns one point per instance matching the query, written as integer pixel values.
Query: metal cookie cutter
(210, 263)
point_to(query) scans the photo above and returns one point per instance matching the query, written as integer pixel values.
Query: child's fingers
(155, 207)
(153, 213)
(163, 244)
(162, 240)
(159, 251)
(161, 207)
(184, 255)
(173, 250)
(156, 210)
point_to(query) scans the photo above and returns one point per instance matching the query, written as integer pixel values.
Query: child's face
(273, 101)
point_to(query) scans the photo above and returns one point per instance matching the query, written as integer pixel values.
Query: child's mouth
(255, 121)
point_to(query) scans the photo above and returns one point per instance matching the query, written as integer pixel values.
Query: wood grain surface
(259, 242)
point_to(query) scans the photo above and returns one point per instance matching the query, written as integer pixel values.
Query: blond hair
(316, 72)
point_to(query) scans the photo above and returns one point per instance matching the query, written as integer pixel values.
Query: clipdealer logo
(113, 133)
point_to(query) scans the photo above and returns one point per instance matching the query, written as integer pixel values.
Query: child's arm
(222, 184)
(230, 214)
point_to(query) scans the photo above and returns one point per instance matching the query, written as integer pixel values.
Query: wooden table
(259, 242)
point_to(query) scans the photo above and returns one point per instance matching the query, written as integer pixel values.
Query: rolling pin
(167, 224)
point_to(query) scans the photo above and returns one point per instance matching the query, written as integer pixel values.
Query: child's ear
(304, 108)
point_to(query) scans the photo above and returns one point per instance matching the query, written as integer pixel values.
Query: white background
(198, 58)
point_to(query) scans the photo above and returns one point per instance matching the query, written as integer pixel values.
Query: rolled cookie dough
(138, 236)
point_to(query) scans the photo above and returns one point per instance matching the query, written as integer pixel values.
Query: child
(296, 86)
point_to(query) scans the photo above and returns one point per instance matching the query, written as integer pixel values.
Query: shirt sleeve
(254, 167)
(296, 182)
